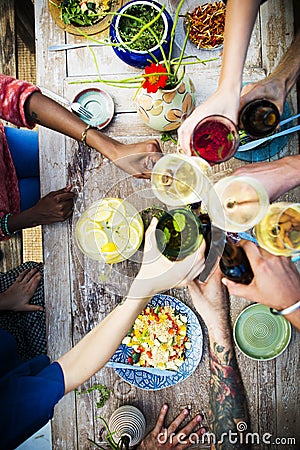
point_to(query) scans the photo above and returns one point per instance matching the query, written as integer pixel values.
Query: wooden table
(75, 303)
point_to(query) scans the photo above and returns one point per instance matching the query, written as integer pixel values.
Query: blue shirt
(28, 393)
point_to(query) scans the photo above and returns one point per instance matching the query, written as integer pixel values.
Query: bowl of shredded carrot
(204, 20)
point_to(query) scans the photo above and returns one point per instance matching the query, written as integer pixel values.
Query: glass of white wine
(279, 231)
(237, 203)
(178, 179)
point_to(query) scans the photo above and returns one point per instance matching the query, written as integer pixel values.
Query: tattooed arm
(228, 407)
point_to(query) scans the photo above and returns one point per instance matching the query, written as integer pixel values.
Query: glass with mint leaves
(178, 233)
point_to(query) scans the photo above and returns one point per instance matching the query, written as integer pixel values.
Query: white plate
(99, 103)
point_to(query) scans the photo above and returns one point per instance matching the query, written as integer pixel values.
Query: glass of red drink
(215, 139)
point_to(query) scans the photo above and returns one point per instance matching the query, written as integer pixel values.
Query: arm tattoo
(228, 404)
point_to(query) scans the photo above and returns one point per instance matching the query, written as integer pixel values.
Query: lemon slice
(116, 204)
(109, 247)
(112, 258)
(102, 214)
(120, 237)
(86, 225)
(134, 238)
(118, 212)
(92, 241)
(137, 224)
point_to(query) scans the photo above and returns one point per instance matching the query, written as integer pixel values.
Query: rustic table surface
(76, 301)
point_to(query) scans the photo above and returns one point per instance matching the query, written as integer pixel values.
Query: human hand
(277, 176)
(165, 438)
(276, 281)
(138, 159)
(270, 88)
(18, 295)
(56, 206)
(158, 274)
(210, 298)
(222, 102)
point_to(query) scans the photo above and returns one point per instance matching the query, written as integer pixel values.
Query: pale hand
(222, 102)
(158, 274)
(210, 298)
(277, 176)
(161, 438)
(276, 281)
(18, 295)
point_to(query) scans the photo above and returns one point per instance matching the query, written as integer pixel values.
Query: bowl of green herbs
(83, 17)
(141, 30)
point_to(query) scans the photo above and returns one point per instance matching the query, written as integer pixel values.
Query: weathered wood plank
(7, 38)
(53, 172)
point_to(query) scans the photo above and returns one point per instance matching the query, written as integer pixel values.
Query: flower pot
(130, 421)
(165, 110)
(138, 58)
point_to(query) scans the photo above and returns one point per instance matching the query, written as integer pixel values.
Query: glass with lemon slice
(110, 230)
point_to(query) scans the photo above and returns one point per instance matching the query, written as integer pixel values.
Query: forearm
(240, 19)
(228, 404)
(44, 111)
(288, 70)
(25, 219)
(294, 319)
(96, 348)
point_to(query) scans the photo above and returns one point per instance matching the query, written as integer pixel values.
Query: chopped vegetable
(83, 12)
(207, 25)
(158, 338)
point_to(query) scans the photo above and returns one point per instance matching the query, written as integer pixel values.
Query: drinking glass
(215, 139)
(179, 179)
(178, 233)
(279, 231)
(110, 230)
(237, 203)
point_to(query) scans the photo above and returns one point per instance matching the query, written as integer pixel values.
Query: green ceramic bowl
(261, 335)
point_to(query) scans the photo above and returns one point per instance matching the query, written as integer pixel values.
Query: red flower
(154, 80)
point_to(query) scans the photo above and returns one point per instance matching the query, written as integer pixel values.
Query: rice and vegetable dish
(158, 338)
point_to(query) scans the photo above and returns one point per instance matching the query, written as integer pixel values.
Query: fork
(257, 142)
(75, 106)
(245, 139)
(81, 110)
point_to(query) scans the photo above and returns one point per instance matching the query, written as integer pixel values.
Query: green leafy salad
(84, 13)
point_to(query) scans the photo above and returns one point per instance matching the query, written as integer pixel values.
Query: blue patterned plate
(151, 382)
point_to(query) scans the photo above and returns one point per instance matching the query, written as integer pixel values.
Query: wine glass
(178, 179)
(215, 139)
(279, 231)
(237, 203)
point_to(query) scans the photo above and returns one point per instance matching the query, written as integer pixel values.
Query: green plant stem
(183, 49)
(144, 27)
(178, 9)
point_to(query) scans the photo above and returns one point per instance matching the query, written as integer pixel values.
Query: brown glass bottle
(259, 118)
(235, 265)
